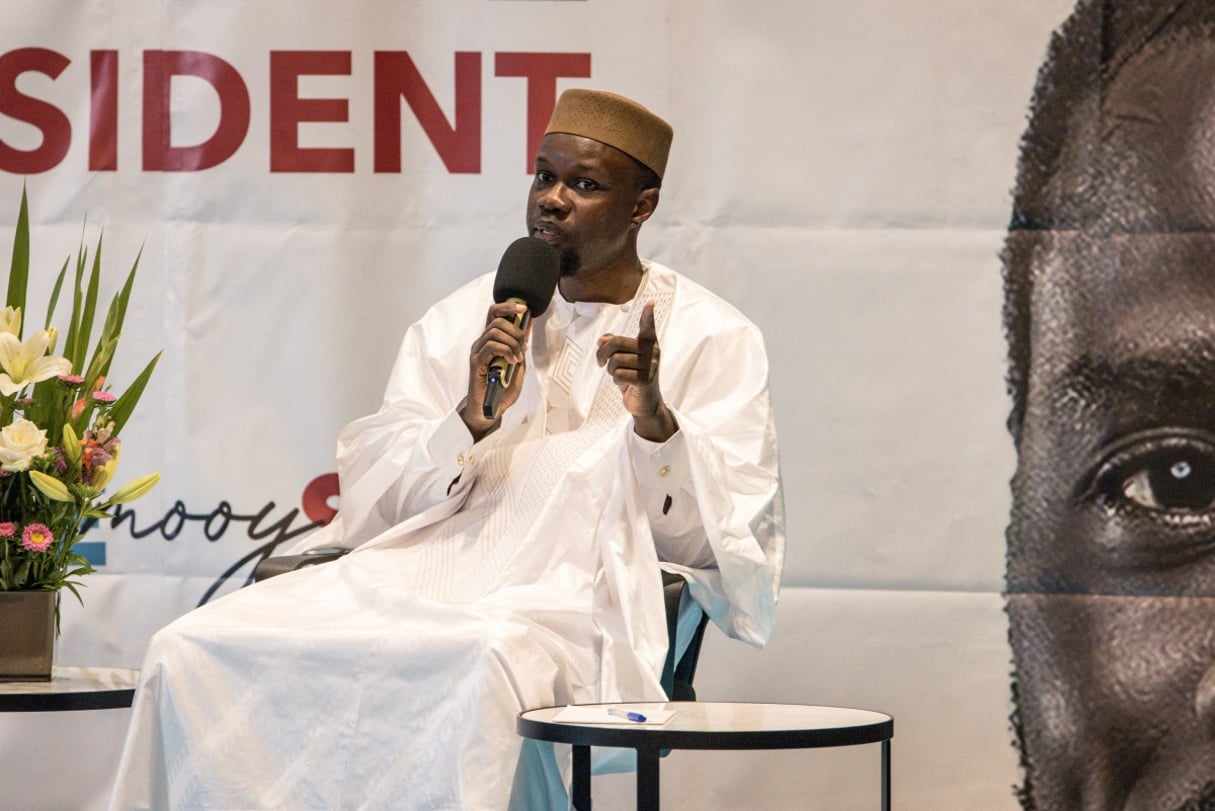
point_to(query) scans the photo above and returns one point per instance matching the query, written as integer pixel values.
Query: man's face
(1111, 566)
(583, 200)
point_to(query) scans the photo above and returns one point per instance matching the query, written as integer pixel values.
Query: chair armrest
(272, 566)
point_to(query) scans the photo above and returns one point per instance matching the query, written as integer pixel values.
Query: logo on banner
(317, 502)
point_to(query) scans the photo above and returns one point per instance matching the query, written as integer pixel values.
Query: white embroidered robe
(488, 578)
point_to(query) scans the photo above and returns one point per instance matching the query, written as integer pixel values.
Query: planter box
(27, 635)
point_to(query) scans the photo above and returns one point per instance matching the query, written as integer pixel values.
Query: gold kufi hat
(616, 121)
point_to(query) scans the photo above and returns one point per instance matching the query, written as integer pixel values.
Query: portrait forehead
(1147, 160)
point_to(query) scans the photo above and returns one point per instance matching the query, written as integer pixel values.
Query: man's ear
(647, 201)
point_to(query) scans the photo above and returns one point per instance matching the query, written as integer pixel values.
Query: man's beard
(571, 263)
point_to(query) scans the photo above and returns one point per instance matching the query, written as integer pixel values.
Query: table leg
(647, 779)
(886, 775)
(581, 789)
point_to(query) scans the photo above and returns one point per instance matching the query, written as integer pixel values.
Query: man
(1110, 308)
(499, 563)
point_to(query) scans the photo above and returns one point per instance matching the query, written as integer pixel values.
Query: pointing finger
(647, 337)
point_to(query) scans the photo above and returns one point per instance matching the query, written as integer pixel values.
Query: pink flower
(37, 538)
(71, 380)
(103, 397)
(81, 402)
(7, 529)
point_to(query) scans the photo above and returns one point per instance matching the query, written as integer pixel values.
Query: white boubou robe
(487, 578)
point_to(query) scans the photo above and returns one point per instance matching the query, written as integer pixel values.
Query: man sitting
(500, 563)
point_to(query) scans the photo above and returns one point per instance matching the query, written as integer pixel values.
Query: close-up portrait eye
(1166, 473)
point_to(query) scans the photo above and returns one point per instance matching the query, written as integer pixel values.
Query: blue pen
(632, 716)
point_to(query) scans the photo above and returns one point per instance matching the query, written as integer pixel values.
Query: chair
(677, 676)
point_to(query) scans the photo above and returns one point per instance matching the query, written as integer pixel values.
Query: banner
(300, 180)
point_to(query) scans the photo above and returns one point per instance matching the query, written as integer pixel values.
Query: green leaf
(117, 312)
(50, 307)
(87, 314)
(19, 271)
(72, 588)
(72, 339)
(101, 362)
(124, 406)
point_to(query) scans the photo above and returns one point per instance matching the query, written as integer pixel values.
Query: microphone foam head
(529, 270)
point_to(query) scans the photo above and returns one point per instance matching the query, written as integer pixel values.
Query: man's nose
(555, 199)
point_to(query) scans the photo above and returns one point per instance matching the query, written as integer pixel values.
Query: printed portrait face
(1110, 276)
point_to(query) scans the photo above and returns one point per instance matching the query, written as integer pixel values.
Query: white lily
(28, 362)
(10, 320)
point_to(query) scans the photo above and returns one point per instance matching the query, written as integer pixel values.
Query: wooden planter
(27, 635)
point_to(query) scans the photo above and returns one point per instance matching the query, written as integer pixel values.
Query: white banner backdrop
(841, 171)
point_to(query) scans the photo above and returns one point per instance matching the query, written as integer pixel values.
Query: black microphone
(527, 274)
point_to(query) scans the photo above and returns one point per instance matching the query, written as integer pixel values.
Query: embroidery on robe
(466, 557)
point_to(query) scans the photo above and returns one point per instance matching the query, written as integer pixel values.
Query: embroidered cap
(616, 121)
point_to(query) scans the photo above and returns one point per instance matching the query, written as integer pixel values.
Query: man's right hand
(502, 338)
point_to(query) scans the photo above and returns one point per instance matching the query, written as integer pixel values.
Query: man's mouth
(547, 232)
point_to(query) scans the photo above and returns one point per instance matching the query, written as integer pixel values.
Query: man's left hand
(633, 364)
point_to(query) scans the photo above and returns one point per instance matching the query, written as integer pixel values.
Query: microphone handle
(493, 395)
(501, 373)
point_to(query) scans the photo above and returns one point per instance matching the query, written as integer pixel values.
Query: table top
(717, 725)
(71, 688)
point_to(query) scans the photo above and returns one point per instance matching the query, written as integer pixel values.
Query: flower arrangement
(59, 423)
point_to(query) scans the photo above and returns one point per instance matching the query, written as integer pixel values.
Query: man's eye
(1173, 473)
(586, 185)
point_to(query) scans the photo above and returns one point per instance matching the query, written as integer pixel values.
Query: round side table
(71, 688)
(705, 725)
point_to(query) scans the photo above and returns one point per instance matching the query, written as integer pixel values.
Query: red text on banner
(397, 84)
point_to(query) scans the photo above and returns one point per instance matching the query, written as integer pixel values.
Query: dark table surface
(71, 688)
